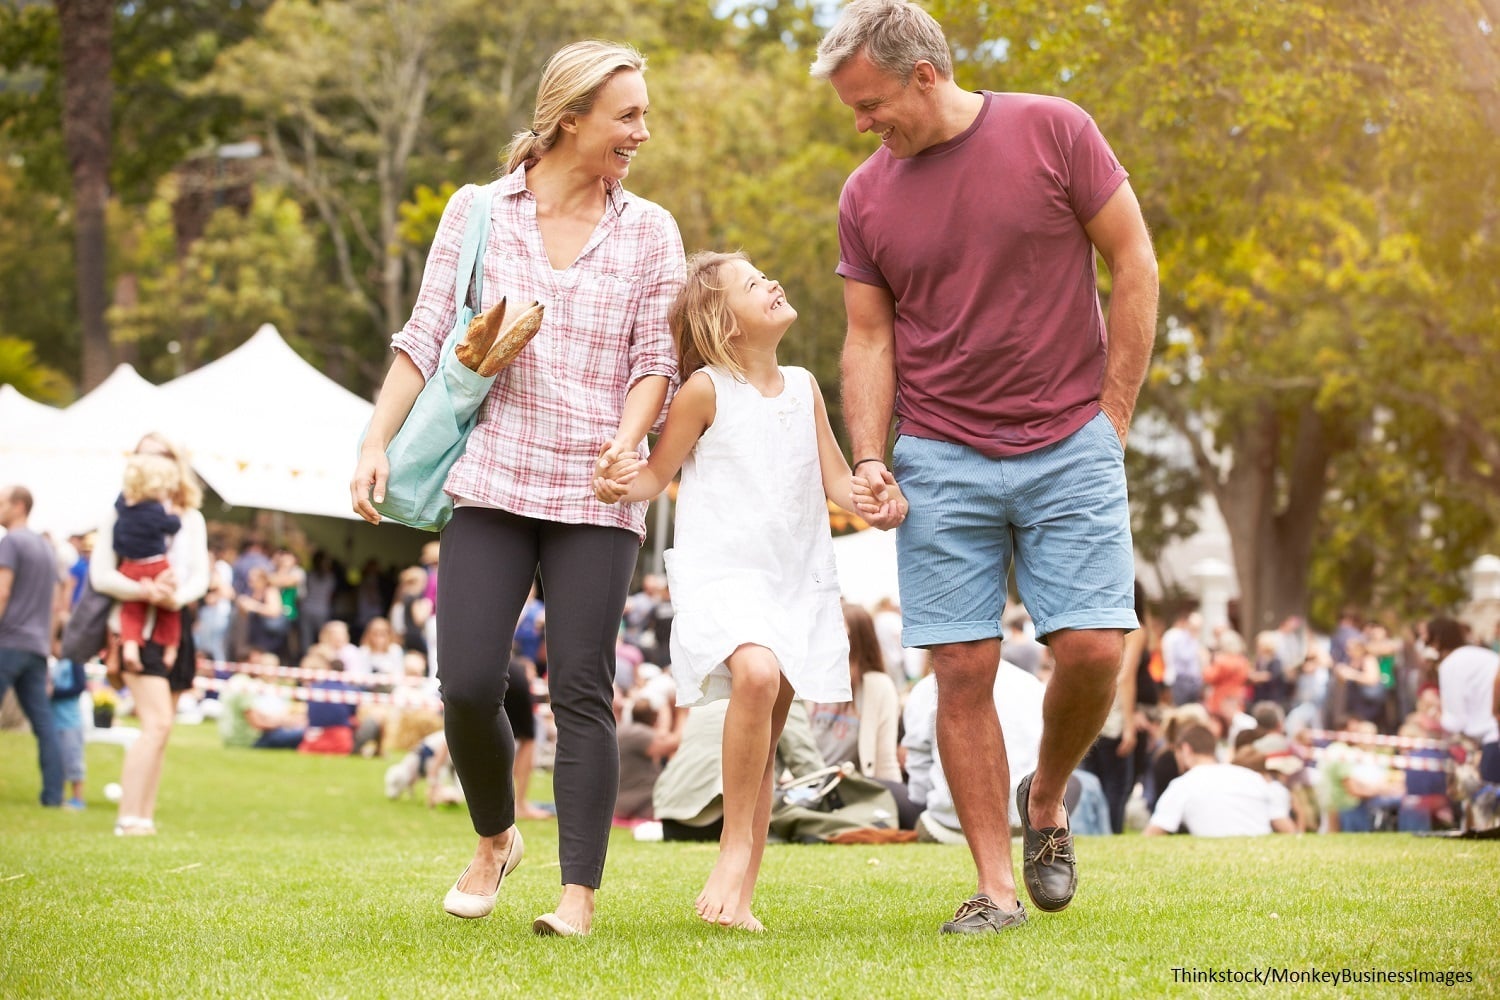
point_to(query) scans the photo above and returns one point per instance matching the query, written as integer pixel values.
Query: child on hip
(144, 526)
(759, 463)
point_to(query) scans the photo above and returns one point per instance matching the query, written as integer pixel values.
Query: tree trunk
(86, 27)
(1272, 513)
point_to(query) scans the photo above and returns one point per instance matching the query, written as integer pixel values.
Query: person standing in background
(29, 597)
(154, 688)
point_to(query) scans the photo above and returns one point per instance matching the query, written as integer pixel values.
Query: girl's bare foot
(525, 810)
(130, 655)
(744, 920)
(720, 899)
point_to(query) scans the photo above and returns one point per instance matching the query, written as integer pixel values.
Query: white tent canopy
(73, 461)
(268, 430)
(17, 413)
(263, 427)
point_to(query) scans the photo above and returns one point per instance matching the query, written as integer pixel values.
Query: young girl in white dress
(758, 618)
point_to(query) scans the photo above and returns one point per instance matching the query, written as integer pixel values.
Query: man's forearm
(869, 396)
(1132, 332)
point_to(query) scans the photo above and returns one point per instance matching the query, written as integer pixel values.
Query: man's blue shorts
(1061, 512)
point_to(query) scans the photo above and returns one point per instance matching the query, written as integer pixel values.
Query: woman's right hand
(161, 590)
(369, 479)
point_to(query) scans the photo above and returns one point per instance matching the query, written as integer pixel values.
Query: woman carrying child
(153, 683)
(752, 577)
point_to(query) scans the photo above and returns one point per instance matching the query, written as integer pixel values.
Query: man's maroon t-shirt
(1000, 340)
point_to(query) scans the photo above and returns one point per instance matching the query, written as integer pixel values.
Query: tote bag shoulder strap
(470, 275)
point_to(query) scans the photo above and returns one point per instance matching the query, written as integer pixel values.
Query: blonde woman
(154, 683)
(606, 265)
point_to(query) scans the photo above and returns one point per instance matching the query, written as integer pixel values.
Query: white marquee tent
(268, 430)
(265, 430)
(18, 413)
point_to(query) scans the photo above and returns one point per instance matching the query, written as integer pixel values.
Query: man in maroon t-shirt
(967, 247)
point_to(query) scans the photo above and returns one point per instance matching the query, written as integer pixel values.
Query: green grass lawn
(284, 876)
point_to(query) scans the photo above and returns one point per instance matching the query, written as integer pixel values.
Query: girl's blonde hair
(570, 82)
(702, 322)
(189, 490)
(150, 477)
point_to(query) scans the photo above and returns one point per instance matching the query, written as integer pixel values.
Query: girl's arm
(839, 482)
(691, 413)
(836, 472)
(643, 404)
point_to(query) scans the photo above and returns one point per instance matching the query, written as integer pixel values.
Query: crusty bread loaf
(491, 342)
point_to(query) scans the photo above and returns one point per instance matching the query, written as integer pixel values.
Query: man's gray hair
(894, 35)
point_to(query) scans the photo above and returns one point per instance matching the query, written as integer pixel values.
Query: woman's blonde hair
(150, 477)
(189, 490)
(702, 322)
(570, 82)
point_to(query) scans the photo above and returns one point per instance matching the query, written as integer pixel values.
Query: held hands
(614, 471)
(877, 498)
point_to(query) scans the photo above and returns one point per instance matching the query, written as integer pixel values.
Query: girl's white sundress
(752, 557)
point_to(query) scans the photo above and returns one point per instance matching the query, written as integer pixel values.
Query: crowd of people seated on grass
(1356, 731)
(1301, 714)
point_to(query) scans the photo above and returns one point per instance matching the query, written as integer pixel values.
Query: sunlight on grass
(283, 876)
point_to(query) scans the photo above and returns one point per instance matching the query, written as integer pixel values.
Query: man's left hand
(1120, 422)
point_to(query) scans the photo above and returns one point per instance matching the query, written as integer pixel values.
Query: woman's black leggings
(487, 563)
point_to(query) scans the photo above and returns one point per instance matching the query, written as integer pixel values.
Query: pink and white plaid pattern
(549, 413)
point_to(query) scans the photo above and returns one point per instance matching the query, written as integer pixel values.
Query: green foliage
(36, 270)
(1318, 176)
(158, 46)
(749, 153)
(31, 95)
(1308, 170)
(1164, 496)
(19, 368)
(259, 267)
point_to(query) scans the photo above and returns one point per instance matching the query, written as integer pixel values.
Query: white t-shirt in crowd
(1018, 703)
(1466, 684)
(1219, 800)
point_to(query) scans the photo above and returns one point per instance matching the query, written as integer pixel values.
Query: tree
(36, 270)
(154, 45)
(84, 31)
(354, 96)
(20, 368)
(1298, 164)
(248, 268)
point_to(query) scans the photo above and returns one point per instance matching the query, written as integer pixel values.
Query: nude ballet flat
(550, 924)
(135, 826)
(470, 905)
